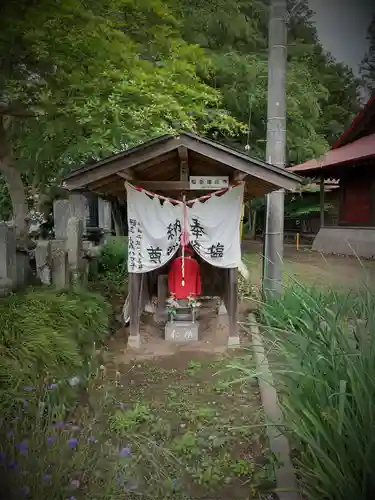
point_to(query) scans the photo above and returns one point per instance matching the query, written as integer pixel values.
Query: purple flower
(118, 479)
(12, 465)
(51, 440)
(23, 447)
(29, 388)
(52, 386)
(60, 425)
(125, 452)
(72, 443)
(46, 477)
(92, 439)
(10, 434)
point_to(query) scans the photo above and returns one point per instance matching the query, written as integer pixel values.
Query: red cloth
(192, 278)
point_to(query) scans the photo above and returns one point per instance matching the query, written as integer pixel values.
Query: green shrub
(46, 333)
(323, 343)
(111, 267)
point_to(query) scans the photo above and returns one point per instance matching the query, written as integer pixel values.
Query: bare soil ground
(313, 268)
(207, 427)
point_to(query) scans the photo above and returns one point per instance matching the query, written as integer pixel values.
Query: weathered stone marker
(75, 249)
(60, 266)
(43, 261)
(8, 260)
(63, 210)
(105, 216)
(181, 331)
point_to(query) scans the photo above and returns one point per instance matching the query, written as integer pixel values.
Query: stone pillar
(105, 216)
(22, 267)
(61, 213)
(43, 261)
(8, 260)
(79, 207)
(60, 266)
(75, 206)
(75, 248)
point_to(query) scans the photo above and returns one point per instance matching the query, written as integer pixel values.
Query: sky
(342, 28)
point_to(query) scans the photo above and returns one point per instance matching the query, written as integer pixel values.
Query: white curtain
(155, 228)
(214, 228)
(154, 231)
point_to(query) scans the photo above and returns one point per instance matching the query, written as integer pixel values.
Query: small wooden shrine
(170, 184)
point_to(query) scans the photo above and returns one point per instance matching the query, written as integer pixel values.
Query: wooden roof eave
(117, 169)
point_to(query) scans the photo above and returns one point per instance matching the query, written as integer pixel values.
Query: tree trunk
(14, 183)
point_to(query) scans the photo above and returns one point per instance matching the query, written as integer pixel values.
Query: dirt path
(213, 338)
(207, 429)
(312, 268)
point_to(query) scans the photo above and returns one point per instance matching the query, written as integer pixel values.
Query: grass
(209, 430)
(323, 358)
(110, 271)
(154, 431)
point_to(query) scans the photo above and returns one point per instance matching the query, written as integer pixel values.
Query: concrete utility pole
(276, 146)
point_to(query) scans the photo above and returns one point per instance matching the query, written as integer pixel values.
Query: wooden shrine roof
(163, 165)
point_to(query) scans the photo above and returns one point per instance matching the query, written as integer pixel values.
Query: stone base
(341, 240)
(222, 309)
(234, 342)
(6, 286)
(134, 341)
(181, 331)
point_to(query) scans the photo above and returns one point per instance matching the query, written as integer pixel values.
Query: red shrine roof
(352, 146)
(361, 149)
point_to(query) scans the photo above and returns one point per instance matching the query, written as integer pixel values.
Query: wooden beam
(128, 175)
(164, 185)
(239, 176)
(135, 291)
(103, 183)
(232, 302)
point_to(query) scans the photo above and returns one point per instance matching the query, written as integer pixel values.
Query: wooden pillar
(232, 302)
(135, 291)
(322, 201)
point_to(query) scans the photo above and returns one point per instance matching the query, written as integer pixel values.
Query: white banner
(214, 228)
(155, 228)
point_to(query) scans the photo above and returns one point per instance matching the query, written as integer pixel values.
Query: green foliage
(323, 344)
(47, 334)
(321, 94)
(98, 84)
(123, 422)
(112, 266)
